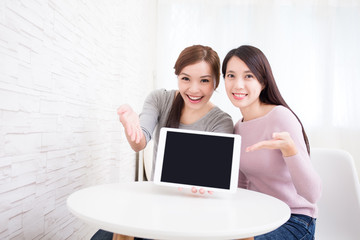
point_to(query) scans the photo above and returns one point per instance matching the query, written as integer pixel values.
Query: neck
(256, 111)
(190, 115)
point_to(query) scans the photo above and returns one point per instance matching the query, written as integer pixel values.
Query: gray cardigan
(155, 112)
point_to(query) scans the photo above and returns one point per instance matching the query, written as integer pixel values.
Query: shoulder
(220, 120)
(281, 115)
(161, 95)
(162, 92)
(283, 120)
(218, 114)
(281, 111)
(217, 111)
(237, 124)
(279, 118)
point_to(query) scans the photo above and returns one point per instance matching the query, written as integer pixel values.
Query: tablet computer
(187, 158)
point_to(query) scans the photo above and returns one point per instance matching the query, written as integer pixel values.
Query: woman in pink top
(275, 149)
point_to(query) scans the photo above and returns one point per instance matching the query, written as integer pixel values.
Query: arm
(243, 182)
(281, 141)
(139, 128)
(291, 143)
(130, 121)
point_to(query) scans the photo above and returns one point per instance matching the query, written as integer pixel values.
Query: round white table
(146, 210)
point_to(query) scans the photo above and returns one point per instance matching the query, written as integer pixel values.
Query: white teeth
(239, 94)
(194, 98)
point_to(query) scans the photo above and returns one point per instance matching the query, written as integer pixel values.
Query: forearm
(306, 181)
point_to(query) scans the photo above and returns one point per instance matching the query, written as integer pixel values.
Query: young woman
(275, 149)
(189, 107)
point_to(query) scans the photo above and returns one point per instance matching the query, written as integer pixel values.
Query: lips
(194, 99)
(239, 96)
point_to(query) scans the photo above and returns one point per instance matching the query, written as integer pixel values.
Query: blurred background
(65, 66)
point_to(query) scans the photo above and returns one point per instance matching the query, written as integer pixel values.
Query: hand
(117, 236)
(281, 140)
(195, 190)
(130, 120)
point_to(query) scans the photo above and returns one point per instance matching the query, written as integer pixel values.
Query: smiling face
(242, 87)
(196, 85)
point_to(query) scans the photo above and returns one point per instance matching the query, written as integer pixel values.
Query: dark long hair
(258, 64)
(189, 56)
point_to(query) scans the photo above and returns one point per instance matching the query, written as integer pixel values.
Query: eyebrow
(231, 71)
(205, 76)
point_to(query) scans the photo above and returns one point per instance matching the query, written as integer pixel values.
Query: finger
(281, 135)
(133, 134)
(119, 110)
(122, 109)
(121, 117)
(128, 129)
(276, 135)
(270, 144)
(139, 136)
(255, 146)
(140, 133)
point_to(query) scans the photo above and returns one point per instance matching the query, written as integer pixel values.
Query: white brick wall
(65, 66)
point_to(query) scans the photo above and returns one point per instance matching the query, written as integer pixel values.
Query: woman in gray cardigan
(189, 107)
(198, 72)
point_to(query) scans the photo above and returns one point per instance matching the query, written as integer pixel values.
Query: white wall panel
(65, 67)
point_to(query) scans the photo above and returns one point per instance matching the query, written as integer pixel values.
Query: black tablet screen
(194, 159)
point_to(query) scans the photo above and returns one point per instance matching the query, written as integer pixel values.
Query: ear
(263, 85)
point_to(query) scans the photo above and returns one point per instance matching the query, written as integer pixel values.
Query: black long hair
(189, 56)
(258, 64)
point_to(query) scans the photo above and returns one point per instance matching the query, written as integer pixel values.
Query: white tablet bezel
(234, 167)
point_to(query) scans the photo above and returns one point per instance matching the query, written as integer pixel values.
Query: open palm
(130, 121)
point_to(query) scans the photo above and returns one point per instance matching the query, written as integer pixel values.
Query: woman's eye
(205, 80)
(248, 76)
(185, 78)
(230, 76)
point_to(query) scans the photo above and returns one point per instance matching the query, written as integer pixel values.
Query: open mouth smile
(194, 99)
(239, 96)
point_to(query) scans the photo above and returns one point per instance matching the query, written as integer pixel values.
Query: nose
(239, 83)
(194, 87)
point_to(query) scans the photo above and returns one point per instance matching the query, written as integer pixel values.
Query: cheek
(181, 86)
(260, 89)
(208, 89)
(228, 90)
(257, 87)
(228, 86)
